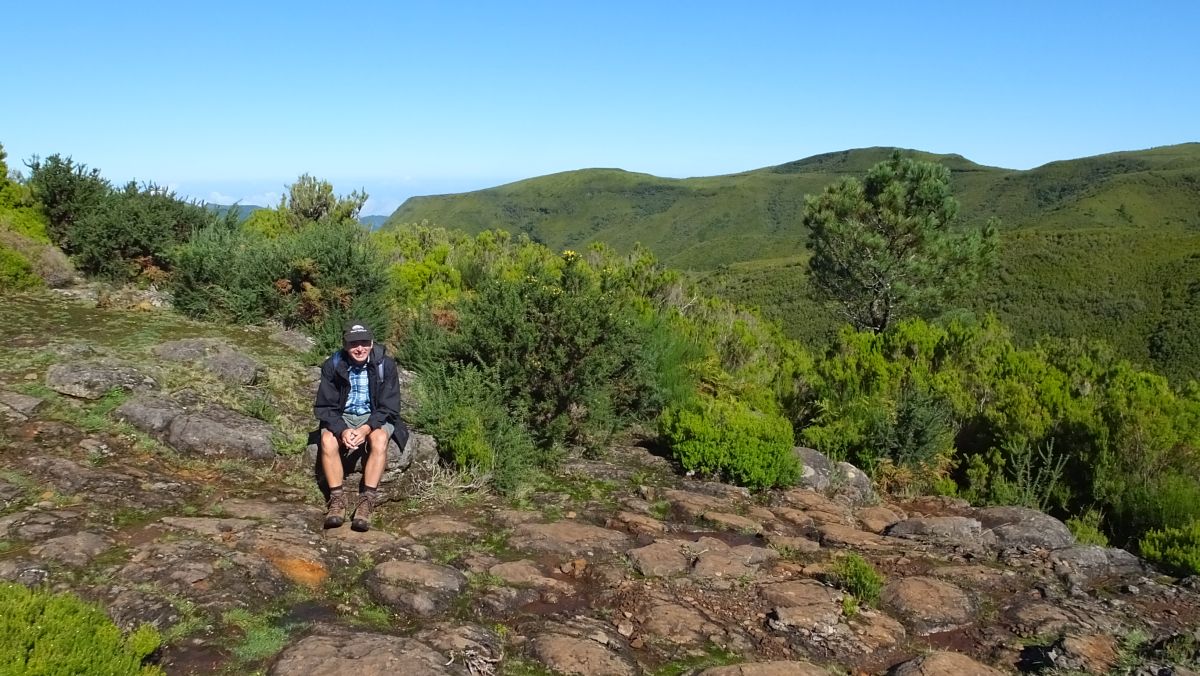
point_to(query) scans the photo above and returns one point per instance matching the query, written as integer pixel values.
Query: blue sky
(227, 101)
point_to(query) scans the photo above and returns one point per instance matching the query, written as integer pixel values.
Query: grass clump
(51, 634)
(858, 578)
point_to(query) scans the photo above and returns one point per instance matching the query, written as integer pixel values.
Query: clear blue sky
(235, 100)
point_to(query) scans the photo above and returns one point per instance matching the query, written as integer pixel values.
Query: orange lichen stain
(301, 571)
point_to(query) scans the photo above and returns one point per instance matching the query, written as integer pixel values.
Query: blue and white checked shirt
(359, 401)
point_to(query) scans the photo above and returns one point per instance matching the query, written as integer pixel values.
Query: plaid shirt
(359, 401)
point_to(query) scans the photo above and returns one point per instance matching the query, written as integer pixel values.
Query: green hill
(1100, 246)
(702, 223)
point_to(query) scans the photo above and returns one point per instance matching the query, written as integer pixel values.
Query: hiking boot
(335, 511)
(362, 512)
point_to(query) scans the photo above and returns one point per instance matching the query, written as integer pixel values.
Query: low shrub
(464, 410)
(727, 440)
(59, 634)
(1086, 528)
(1176, 549)
(16, 272)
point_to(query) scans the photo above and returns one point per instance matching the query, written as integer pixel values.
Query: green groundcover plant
(59, 634)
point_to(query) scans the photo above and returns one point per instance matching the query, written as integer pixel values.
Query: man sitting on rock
(358, 402)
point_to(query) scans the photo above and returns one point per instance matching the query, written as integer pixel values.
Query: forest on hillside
(528, 353)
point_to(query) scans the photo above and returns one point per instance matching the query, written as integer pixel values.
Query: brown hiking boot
(362, 512)
(335, 511)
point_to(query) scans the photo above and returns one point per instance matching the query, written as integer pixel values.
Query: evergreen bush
(856, 576)
(46, 634)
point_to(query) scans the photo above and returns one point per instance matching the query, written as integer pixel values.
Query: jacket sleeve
(328, 407)
(387, 406)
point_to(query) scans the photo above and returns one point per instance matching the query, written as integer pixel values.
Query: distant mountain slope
(244, 210)
(702, 223)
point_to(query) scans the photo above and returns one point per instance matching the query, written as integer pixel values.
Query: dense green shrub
(131, 233)
(564, 350)
(59, 634)
(727, 440)
(1176, 549)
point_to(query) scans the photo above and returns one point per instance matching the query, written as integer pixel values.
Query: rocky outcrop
(215, 356)
(92, 380)
(840, 479)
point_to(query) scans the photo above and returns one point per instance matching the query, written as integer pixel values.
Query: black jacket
(335, 388)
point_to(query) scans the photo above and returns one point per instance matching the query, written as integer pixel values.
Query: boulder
(21, 403)
(569, 538)
(420, 451)
(660, 559)
(220, 432)
(149, 414)
(578, 655)
(840, 479)
(1024, 529)
(957, 531)
(1084, 567)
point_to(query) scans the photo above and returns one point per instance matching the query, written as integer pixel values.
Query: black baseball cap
(356, 331)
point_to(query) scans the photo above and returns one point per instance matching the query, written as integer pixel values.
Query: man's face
(359, 350)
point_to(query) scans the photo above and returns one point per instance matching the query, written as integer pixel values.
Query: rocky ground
(185, 500)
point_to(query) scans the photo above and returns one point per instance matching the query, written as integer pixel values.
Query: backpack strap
(337, 361)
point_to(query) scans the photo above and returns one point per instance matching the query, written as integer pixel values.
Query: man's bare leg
(331, 465)
(373, 468)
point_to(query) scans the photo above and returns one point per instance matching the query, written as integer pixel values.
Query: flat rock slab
(568, 537)
(955, 530)
(733, 522)
(694, 505)
(73, 550)
(790, 544)
(374, 542)
(776, 668)
(439, 525)
(21, 403)
(526, 573)
(206, 573)
(804, 604)
(214, 356)
(876, 631)
(679, 625)
(944, 664)
(850, 537)
(149, 414)
(584, 656)
(416, 587)
(660, 559)
(92, 380)
(928, 605)
(877, 519)
(333, 652)
(638, 524)
(283, 513)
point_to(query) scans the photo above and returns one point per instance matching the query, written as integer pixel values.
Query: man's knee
(379, 438)
(329, 442)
